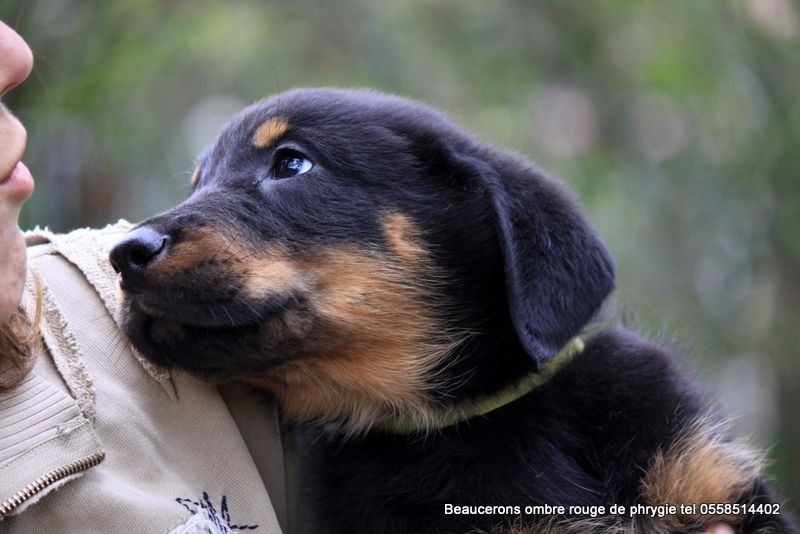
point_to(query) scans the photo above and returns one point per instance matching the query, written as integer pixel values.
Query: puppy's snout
(132, 256)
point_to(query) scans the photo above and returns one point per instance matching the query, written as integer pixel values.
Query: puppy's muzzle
(132, 256)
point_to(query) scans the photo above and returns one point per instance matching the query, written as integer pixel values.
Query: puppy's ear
(558, 273)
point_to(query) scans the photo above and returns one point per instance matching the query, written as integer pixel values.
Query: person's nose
(16, 59)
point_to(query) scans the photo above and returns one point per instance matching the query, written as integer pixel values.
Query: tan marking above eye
(269, 132)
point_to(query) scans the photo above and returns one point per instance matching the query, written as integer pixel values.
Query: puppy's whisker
(227, 313)
(229, 243)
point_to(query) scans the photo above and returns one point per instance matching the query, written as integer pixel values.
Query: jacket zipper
(48, 479)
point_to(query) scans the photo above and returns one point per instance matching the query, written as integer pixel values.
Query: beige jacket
(99, 440)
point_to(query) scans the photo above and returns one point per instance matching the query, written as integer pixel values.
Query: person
(15, 187)
(130, 448)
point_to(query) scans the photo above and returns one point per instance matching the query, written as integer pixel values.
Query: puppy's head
(360, 256)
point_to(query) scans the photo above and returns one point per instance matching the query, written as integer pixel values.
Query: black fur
(519, 268)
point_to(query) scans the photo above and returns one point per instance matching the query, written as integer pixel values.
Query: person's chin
(12, 276)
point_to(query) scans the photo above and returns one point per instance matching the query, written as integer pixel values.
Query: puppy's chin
(217, 352)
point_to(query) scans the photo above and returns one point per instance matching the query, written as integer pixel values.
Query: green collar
(450, 415)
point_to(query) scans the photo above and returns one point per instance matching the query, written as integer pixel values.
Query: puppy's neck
(446, 416)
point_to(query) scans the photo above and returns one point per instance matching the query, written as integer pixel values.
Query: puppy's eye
(290, 163)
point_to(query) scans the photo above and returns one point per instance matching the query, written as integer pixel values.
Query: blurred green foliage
(678, 123)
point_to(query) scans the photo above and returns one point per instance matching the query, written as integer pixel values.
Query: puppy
(416, 298)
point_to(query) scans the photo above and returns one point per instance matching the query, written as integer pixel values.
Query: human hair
(19, 336)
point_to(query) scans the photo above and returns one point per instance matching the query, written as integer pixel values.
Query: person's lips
(15, 178)
(19, 181)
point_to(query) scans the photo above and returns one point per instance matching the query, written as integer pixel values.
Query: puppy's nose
(131, 256)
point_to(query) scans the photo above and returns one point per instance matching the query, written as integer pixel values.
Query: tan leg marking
(704, 466)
